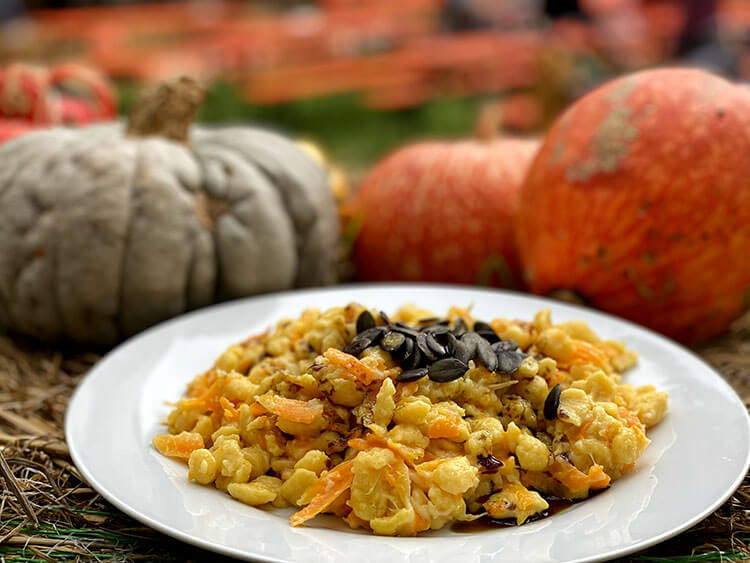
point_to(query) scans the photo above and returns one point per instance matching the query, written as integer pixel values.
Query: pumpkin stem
(167, 110)
(489, 121)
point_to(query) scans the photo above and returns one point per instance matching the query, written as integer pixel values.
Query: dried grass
(48, 513)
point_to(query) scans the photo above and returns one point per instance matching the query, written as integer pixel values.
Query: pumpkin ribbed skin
(639, 200)
(439, 211)
(103, 235)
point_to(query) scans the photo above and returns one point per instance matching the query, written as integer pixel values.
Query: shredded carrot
(256, 409)
(557, 377)
(410, 455)
(352, 365)
(629, 417)
(444, 427)
(201, 384)
(628, 466)
(363, 444)
(230, 411)
(576, 480)
(586, 353)
(180, 445)
(293, 410)
(325, 491)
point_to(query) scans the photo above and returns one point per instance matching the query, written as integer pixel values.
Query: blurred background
(360, 77)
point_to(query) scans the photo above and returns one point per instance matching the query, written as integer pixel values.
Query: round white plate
(698, 455)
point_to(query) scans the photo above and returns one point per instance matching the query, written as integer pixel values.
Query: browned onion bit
(489, 463)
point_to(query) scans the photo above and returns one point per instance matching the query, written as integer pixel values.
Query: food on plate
(639, 195)
(404, 424)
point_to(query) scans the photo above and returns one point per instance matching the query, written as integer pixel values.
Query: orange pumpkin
(442, 211)
(33, 97)
(639, 200)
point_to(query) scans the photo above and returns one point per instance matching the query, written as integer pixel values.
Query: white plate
(698, 455)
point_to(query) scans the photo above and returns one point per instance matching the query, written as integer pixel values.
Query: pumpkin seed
(486, 331)
(405, 351)
(471, 341)
(447, 369)
(509, 361)
(404, 328)
(411, 375)
(435, 346)
(487, 355)
(437, 329)
(392, 341)
(424, 348)
(364, 340)
(505, 346)
(415, 360)
(458, 349)
(552, 403)
(365, 320)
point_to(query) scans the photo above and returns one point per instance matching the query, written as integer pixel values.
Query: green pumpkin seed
(552, 403)
(471, 341)
(411, 375)
(487, 355)
(364, 340)
(447, 369)
(424, 348)
(405, 351)
(458, 349)
(486, 331)
(365, 320)
(392, 341)
(505, 346)
(459, 327)
(415, 360)
(509, 361)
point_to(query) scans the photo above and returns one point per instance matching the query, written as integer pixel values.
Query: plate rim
(214, 547)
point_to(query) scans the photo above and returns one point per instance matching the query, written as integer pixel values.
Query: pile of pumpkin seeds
(436, 348)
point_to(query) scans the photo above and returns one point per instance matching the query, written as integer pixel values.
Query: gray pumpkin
(103, 235)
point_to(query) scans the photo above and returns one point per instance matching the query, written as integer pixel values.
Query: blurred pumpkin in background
(34, 96)
(639, 200)
(104, 232)
(443, 211)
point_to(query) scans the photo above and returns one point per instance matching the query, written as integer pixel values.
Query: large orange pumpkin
(639, 200)
(442, 211)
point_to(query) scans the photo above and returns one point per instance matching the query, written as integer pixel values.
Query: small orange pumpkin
(442, 211)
